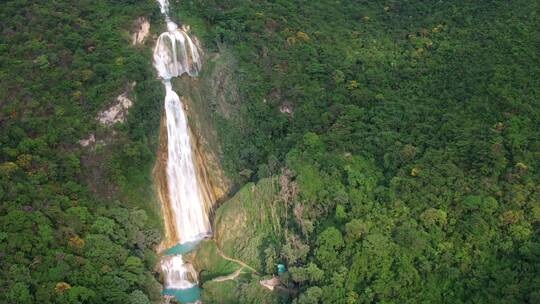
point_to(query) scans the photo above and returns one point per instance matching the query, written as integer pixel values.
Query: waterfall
(178, 274)
(190, 219)
(176, 54)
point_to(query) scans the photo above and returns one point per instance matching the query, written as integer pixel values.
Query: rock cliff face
(117, 112)
(197, 100)
(212, 94)
(160, 177)
(141, 29)
(208, 176)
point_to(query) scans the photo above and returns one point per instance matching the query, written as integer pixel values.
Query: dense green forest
(60, 242)
(412, 139)
(404, 135)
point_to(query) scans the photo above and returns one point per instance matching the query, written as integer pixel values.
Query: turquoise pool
(189, 295)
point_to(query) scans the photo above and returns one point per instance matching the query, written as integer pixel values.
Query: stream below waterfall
(176, 54)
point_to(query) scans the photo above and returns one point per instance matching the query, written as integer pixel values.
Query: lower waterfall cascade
(176, 54)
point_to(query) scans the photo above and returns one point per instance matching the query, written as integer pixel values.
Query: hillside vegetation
(408, 136)
(389, 150)
(76, 224)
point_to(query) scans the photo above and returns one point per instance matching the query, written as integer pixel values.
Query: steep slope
(76, 221)
(410, 130)
(245, 226)
(248, 222)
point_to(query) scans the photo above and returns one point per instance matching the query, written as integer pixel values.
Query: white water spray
(178, 277)
(176, 54)
(190, 217)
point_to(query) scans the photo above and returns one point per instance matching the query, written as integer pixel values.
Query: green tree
(138, 297)
(329, 243)
(311, 295)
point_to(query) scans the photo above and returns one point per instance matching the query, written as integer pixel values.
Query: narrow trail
(235, 260)
(231, 276)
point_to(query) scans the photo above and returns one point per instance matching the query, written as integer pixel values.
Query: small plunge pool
(184, 296)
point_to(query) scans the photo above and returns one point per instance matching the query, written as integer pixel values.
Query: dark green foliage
(413, 141)
(61, 63)
(244, 290)
(409, 128)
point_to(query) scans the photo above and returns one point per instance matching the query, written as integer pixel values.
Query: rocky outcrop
(270, 283)
(117, 112)
(88, 141)
(286, 109)
(141, 29)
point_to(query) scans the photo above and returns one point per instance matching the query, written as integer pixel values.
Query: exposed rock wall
(117, 112)
(160, 178)
(141, 29)
(214, 185)
(212, 93)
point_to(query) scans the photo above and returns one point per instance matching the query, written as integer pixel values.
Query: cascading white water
(177, 277)
(190, 217)
(176, 54)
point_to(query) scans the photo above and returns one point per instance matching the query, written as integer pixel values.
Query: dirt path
(236, 261)
(231, 276)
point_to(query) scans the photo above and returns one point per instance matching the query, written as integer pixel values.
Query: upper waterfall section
(175, 52)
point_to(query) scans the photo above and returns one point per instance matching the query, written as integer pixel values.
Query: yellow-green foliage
(233, 292)
(207, 260)
(77, 223)
(220, 292)
(245, 223)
